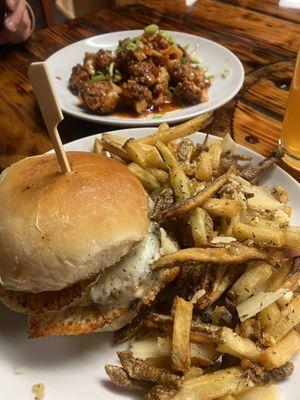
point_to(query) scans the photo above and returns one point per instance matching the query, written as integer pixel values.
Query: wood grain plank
(240, 21)
(268, 7)
(268, 96)
(249, 122)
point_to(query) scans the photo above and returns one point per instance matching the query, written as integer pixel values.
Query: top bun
(57, 229)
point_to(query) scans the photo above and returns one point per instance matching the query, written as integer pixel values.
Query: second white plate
(72, 368)
(214, 57)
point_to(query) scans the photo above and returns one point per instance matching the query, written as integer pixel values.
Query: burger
(76, 249)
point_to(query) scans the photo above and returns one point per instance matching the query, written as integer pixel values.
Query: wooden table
(264, 36)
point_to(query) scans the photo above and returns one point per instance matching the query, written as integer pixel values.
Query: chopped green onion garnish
(185, 47)
(211, 78)
(111, 69)
(183, 60)
(225, 71)
(195, 59)
(157, 116)
(168, 37)
(98, 77)
(151, 29)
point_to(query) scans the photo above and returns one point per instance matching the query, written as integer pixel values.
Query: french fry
(135, 152)
(179, 180)
(178, 131)
(215, 151)
(233, 253)
(148, 180)
(193, 372)
(197, 200)
(153, 158)
(257, 272)
(282, 352)
(167, 244)
(260, 393)
(289, 318)
(161, 175)
(229, 342)
(163, 126)
(119, 377)
(180, 350)
(222, 207)
(199, 227)
(263, 236)
(98, 146)
(292, 236)
(113, 138)
(279, 277)
(204, 169)
(228, 381)
(160, 392)
(165, 320)
(143, 371)
(201, 354)
(269, 315)
(224, 279)
(114, 144)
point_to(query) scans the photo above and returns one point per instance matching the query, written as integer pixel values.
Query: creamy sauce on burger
(131, 278)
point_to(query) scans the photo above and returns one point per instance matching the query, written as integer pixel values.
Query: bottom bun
(84, 320)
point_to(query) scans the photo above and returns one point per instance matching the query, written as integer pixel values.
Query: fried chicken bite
(102, 96)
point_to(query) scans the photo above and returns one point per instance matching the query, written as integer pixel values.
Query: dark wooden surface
(264, 36)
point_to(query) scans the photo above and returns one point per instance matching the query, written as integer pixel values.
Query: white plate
(214, 57)
(72, 368)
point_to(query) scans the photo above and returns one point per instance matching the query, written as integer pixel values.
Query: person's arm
(17, 21)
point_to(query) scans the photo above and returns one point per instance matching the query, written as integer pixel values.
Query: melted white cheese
(131, 278)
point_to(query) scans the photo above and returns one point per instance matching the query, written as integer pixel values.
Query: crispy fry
(180, 351)
(135, 152)
(215, 151)
(257, 272)
(202, 354)
(260, 393)
(224, 279)
(162, 127)
(263, 236)
(161, 320)
(161, 175)
(229, 342)
(279, 277)
(148, 180)
(204, 170)
(143, 371)
(289, 318)
(160, 392)
(179, 180)
(229, 381)
(233, 253)
(114, 144)
(197, 200)
(222, 207)
(292, 236)
(269, 315)
(179, 131)
(200, 229)
(119, 377)
(282, 352)
(98, 146)
(153, 158)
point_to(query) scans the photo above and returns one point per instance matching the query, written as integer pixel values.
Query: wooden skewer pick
(44, 92)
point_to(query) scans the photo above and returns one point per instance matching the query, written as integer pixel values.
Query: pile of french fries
(228, 326)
